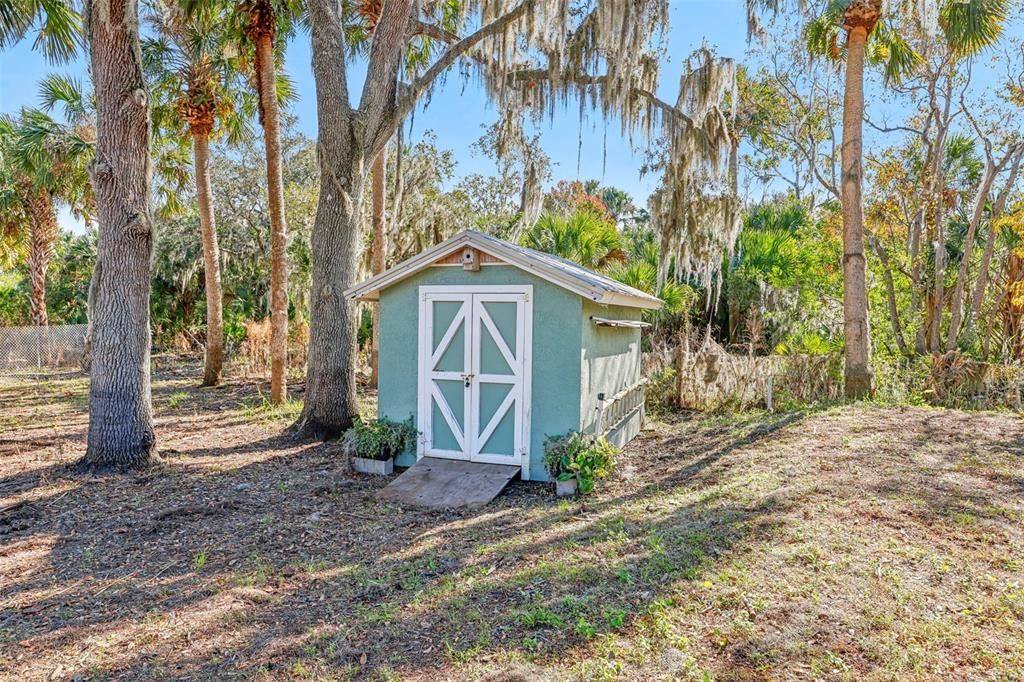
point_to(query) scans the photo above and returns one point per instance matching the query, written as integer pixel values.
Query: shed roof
(559, 271)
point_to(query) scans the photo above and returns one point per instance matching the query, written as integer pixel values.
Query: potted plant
(576, 461)
(375, 444)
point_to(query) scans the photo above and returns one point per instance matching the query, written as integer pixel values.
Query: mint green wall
(610, 363)
(558, 328)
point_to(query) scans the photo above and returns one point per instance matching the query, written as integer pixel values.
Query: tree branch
(418, 27)
(382, 69)
(587, 79)
(890, 129)
(421, 84)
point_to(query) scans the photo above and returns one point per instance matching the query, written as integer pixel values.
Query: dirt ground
(858, 542)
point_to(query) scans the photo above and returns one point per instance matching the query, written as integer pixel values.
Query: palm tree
(262, 22)
(44, 163)
(641, 272)
(584, 238)
(57, 27)
(28, 212)
(121, 433)
(193, 68)
(966, 28)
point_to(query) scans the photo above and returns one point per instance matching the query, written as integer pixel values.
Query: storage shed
(491, 347)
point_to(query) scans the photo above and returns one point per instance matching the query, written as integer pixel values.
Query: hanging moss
(696, 207)
(604, 55)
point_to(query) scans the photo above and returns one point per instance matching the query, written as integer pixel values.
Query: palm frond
(56, 24)
(889, 48)
(971, 26)
(66, 91)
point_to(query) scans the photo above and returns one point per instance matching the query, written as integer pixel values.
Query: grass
(846, 543)
(262, 411)
(177, 399)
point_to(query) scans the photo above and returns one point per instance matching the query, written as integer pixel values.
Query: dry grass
(858, 543)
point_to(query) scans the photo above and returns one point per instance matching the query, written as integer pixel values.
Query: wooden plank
(434, 483)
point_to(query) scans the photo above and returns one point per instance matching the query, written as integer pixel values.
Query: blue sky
(457, 110)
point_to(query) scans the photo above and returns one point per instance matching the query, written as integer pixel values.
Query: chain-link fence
(58, 345)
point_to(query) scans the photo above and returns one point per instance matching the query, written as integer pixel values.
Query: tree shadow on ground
(259, 555)
(294, 540)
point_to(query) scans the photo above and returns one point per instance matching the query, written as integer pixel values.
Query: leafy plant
(585, 237)
(577, 456)
(382, 438)
(176, 399)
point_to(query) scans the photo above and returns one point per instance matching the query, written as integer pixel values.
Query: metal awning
(632, 324)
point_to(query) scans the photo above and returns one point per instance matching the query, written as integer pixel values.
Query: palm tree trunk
(329, 404)
(398, 190)
(42, 239)
(1012, 309)
(855, 303)
(121, 431)
(211, 262)
(378, 249)
(278, 227)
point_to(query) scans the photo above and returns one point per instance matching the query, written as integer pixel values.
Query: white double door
(474, 373)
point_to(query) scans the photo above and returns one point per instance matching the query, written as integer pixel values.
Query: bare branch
(889, 129)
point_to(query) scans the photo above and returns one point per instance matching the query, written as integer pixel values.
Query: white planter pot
(565, 488)
(381, 467)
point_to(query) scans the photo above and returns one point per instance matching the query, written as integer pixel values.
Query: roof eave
(616, 298)
(369, 290)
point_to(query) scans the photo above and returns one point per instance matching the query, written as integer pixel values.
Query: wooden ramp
(435, 483)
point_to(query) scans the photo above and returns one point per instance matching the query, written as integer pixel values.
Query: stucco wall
(610, 362)
(557, 331)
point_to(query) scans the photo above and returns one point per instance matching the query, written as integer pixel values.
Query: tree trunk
(890, 296)
(914, 256)
(997, 211)
(932, 208)
(957, 303)
(42, 238)
(939, 284)
(938, 205)
(278, 227)
(855, 303)
(121, 431)
(330, 400)
(378, 249)
(399, 187)
(211, 262)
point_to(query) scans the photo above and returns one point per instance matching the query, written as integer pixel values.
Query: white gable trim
(369, 290)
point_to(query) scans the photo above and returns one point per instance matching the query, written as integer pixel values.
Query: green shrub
(382, 438)
(577, 456)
